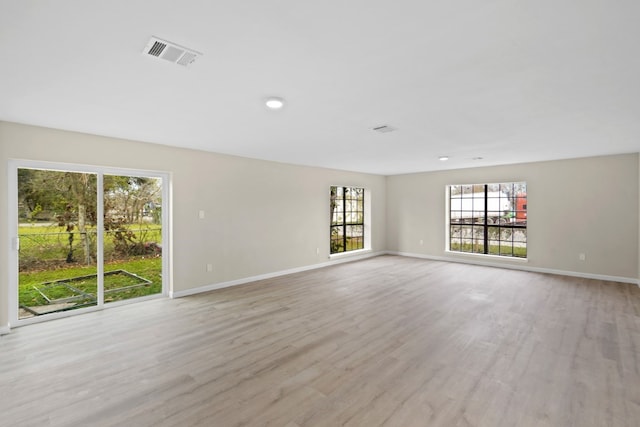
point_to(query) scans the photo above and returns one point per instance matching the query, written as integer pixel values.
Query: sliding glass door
(85, 238)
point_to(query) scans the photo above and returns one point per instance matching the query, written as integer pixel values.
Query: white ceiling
(506, 80)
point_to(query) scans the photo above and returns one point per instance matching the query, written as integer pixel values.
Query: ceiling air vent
(170, 52)
(384, 129)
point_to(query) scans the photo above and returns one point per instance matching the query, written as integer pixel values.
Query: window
(347, 219)
(488, 219)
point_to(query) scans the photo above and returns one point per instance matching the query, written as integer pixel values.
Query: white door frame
(100, 171)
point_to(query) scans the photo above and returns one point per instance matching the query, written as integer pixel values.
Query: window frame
(480, 227)
(361, 212)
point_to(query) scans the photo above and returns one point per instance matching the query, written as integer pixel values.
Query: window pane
(355, 234)
(132, 237)
(337, 239)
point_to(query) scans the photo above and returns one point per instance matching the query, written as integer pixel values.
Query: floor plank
(387, 341)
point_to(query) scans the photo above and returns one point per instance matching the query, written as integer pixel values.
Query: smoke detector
(384, 129)
(170, 52)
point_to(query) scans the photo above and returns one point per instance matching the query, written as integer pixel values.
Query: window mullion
(361, 224)
(100, 238)
(344, 218)
(486, 219)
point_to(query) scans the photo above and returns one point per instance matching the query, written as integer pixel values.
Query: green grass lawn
(149, 268)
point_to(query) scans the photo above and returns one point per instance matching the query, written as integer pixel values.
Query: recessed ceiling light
(443, 158)
(274, 103)
(476, 158)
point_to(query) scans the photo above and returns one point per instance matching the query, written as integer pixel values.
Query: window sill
(349, 253)
(487, 256)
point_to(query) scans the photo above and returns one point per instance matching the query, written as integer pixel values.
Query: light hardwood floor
(388, 341)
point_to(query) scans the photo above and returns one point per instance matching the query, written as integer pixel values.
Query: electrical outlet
(582, 257)
(201, 214)
(209, 268)
(421, 242)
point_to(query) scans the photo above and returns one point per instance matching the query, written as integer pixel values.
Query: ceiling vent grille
(170, 52)
(384, 129)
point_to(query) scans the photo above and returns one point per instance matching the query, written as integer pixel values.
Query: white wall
(261, 217)
(574, 206)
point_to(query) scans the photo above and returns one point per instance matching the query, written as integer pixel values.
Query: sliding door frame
(99, 171)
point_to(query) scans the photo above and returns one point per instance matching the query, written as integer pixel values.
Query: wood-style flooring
(387, 341)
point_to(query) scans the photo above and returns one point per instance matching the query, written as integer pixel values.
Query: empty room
(319, 213)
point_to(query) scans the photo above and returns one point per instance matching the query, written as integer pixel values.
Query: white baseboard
(207, 288)
(4, 330)
(523, 267)
(359, 256)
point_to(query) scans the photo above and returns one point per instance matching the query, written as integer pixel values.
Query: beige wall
(574, 206)
(264, 217)
(261, 217)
